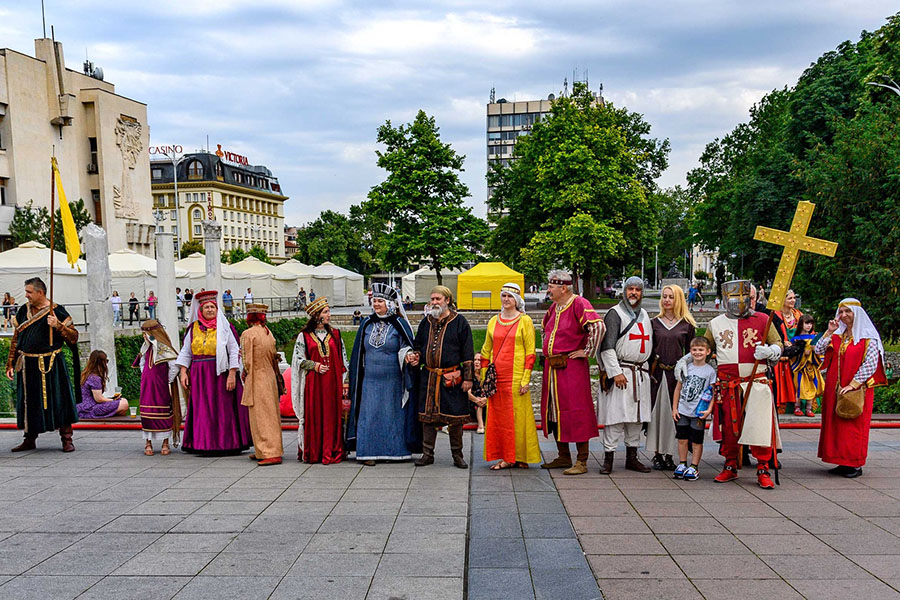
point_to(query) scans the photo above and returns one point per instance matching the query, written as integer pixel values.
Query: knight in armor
(745, 415)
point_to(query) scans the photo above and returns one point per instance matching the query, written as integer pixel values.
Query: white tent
(284, 284)
(133, 272)
(309, 279)
(237, 281)
(348, 286)
(32, 259)
(418, 284)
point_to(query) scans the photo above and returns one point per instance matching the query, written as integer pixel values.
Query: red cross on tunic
(643, 337)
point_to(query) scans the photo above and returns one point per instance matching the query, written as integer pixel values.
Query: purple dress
(156, 399)
(89, 408)
(216, 422)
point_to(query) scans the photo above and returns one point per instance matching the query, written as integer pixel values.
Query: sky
(301, 86)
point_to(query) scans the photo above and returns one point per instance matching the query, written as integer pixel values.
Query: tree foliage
(579, 193)
(830, 139)
(258, 253)
(191, 246)
(348, 242)
(235, 255)
(422, 200)
(30, 223)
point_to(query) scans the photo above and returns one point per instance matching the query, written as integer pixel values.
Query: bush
(887, 399)
(8, 388)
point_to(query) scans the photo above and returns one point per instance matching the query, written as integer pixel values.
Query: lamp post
(175, 160)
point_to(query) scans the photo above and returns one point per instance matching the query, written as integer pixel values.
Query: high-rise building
(224, 187)
(99, 138)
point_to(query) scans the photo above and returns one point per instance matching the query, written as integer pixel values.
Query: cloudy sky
(302, 85)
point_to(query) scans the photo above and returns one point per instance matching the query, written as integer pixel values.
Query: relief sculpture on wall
(128, 139)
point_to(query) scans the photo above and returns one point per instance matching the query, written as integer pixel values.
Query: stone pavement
(816, 536)
(106, 522)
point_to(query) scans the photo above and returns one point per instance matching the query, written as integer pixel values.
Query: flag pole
(52, 210)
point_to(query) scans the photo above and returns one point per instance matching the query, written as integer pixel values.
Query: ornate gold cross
(793, 241)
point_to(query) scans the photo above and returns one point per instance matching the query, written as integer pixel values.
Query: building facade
(290, 241)
(99, 138)
(221, 186)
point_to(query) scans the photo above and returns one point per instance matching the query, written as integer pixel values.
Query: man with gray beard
(443, 346)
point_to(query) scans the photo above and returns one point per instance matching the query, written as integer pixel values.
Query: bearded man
(623, 405)
(45, 396)
(443, 346)
(743, 344)
(572, 331)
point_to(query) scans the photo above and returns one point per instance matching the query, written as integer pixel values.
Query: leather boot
(607, 466)
(456, 446)
(27, 443)
(65, 435)
(632, 463)
(429, 435)
(563, 459)
(579, 468)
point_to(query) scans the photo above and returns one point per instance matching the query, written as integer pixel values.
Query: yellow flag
(73, 246)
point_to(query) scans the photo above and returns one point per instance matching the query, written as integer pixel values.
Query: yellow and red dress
(510, 434)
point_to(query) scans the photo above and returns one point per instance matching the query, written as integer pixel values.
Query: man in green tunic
(45, 396)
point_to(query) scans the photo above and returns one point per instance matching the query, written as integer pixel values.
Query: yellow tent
(479, 287)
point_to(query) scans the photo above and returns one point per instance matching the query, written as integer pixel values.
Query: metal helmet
(737, 298)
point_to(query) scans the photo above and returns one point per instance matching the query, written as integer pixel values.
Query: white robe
(618, 405)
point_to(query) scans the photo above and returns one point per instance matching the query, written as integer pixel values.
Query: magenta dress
(89, 408)
(216, 422)
(156, 399)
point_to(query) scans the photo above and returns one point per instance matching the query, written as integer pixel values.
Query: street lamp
(175, 160)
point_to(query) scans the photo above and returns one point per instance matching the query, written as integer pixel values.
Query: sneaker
(680, 471)
(691, 474)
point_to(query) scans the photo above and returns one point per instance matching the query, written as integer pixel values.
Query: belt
(443, 370)
(665, 367)
(635, 368)
(43, 369)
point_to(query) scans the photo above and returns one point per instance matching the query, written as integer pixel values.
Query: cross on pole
(793, 241)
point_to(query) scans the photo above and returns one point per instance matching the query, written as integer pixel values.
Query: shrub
(887, 399)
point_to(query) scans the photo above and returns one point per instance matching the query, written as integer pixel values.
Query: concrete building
(290, 241)
(99, 138)
(506, 121)
(222, 186)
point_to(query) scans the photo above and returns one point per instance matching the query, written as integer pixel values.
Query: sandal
(165, 451)
(521, 465)
(500, 466)
(148, 449)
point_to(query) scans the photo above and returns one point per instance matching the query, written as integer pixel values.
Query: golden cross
(793, 241)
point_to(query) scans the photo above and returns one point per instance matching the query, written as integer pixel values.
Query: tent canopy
(308, 279)
(418, 284)
(133, 272)
(284, 284)
(479, 287)
(32, 259)
(195, 264)
(348, 286)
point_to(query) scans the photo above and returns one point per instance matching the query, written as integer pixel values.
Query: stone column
(212, 236)
(166, 311)
(99, 310)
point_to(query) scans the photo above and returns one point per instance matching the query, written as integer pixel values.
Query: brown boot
(579, 468)
(563, 459)
(607, 466)
(632, 463)
(27, 443)
(65, 435)
(429, 436)
(456, 446)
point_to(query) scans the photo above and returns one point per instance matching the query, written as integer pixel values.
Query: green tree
(28, 223)
(422, 200)
(235, 255)
(191, 246)
(80, 216)
(258, 253)
(586, 171)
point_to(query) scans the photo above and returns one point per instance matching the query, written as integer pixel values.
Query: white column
(99, 310)
(212, 236)
(166, 311)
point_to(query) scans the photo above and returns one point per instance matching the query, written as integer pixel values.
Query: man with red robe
(572, 332)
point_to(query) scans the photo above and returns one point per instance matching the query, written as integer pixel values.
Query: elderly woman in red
(854, 357)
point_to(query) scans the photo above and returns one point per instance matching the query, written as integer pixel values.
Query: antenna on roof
(493, 95)
(43, 18)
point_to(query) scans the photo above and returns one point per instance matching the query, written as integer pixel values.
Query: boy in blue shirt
(691, 406)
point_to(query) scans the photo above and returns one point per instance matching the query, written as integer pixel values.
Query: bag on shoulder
(850, 405)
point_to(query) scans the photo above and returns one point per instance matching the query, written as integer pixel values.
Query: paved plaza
(108, 522)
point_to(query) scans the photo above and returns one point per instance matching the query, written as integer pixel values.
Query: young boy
(690, 423)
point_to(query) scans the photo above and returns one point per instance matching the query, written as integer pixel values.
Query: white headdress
(863, 328)
(515, 291)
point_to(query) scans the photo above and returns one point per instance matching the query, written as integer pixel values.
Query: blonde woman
(673, 330)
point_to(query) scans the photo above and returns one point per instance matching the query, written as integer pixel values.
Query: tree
(579, 192)
(28, 223)
(191, 246)
(422, 200)
(235, 255)
(80, 216)
(258, 253)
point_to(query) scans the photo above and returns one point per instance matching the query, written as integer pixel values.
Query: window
(220, 171)
(175, 230)
(494, 121)
(155, 173)
(195, 169)
(98, 208)
(493, 136)
(198, 214)
(3, 192)
(173, 215)
(197, 230)
(92, 142)
(160, 229)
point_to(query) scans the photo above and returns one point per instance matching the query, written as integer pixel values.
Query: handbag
(279, 378)
(453, 378)
(850, 405)
(558, 361)
(489, 383)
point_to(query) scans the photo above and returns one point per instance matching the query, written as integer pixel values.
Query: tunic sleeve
(608, 346)
(528, 341)
(247, 350)
(596, 331)
(869, 364)
(488, 347)
(232, 349)
(184, 355)
(823, 344)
